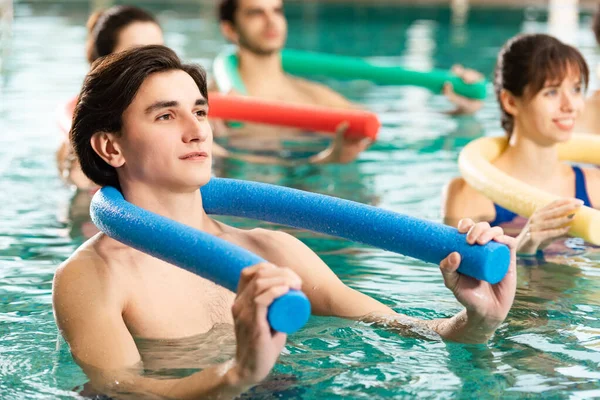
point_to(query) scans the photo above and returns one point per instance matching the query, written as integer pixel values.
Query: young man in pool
(259, 29)
(141, 125)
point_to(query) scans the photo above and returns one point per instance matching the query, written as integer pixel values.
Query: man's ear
(229, 32)
(107, 147)
(509, 102)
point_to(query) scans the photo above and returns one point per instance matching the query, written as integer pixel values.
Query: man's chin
(264, 51)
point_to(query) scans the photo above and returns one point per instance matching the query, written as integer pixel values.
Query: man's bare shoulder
(321, 94)
(89, 268)
(275, 246)
(269, 238)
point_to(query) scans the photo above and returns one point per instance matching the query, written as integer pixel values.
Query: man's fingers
(448, 267)
(507, 240)
(268, 296)
(476, 231)
(248, 273)
(471, 76)
(490, 234)
(449, 92)
(457, 69)
(465, 224)
(342, 127)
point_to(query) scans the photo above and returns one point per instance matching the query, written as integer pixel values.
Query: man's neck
(256, 70)
(185, 207)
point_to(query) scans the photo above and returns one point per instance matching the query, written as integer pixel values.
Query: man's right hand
(342, 149)
(258, 346)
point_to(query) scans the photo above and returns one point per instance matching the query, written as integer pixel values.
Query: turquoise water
(548, 348)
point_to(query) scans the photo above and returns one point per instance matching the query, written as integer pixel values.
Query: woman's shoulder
(461, 200)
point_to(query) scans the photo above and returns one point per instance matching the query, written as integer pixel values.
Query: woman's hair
(108, 89)
(527, 62)
(104, 27)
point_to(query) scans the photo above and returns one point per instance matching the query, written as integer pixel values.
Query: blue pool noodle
(414, 237)
(193, 250)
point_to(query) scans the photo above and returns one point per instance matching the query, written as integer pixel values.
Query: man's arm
(88, 307)
(486, 306)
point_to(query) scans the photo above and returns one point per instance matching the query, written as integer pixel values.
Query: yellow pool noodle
(475, 164)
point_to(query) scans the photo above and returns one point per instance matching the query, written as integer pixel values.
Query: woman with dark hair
(539, 84)
(120, 28)
(112, 30)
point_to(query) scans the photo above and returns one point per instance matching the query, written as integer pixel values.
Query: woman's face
(138, 34)
(550, 115)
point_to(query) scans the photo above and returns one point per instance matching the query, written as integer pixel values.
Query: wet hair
(527, 62)
(596, 24)
(108, 89)
(227, 9)
(104, 27)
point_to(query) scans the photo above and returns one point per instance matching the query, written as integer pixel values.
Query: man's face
(166, 139)
(261, 26)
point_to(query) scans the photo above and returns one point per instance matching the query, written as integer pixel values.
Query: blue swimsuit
(504, 216)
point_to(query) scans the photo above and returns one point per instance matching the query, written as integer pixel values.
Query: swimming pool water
(549, 346)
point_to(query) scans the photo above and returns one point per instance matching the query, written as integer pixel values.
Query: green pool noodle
(341, 67)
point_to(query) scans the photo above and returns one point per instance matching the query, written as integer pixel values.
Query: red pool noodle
(310, 118)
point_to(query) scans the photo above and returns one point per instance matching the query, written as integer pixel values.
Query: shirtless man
(259, 29)
(141, 125)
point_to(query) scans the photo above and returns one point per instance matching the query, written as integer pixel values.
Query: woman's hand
(547, 224)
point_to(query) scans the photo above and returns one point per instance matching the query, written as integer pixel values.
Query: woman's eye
(577, 89)
(551, 92)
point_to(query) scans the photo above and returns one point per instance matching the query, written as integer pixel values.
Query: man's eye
(201, 113)
(164, 117)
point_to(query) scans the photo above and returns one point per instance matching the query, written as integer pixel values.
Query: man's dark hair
(108, 89)
(227, 9)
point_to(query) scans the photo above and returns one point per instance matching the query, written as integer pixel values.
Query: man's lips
(194, 155)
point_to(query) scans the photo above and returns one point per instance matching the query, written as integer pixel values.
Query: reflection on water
(167, 357)
(549, 346)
